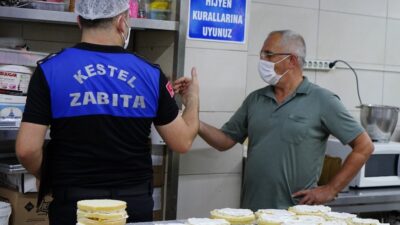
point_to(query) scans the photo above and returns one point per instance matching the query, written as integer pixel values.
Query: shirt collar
(100, 48)
(303, 88)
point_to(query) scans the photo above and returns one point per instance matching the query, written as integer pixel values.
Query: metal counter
(367, 200)
(352, 201)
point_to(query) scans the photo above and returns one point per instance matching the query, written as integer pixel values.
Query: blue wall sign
(217, 20)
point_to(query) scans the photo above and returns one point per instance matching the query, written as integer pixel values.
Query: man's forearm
(32, 162)
(352, 165)
(29, 146)
(215, 137)
(362, 149)
(191, 116)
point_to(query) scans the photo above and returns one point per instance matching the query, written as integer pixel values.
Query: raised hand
(187, 87)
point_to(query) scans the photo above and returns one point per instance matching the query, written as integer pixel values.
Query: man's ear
(120, 24)
(293, 61)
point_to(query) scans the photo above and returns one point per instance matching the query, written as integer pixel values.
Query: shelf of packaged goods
(47, 16)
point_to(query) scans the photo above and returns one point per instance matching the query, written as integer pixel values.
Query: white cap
(100, 9)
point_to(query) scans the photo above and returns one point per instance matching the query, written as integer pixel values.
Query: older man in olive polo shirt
(288, 124)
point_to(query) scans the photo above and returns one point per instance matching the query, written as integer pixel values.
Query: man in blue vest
(100, 101)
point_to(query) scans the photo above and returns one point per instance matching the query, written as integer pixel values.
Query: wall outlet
(317, 65)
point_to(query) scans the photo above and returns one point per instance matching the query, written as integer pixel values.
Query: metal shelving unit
(58, 17)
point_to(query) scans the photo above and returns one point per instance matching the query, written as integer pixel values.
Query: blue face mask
(266, 69)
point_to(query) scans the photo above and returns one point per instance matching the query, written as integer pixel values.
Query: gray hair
(293, 43)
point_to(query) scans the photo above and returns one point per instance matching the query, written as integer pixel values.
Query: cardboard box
(158, 215)
(24, 210)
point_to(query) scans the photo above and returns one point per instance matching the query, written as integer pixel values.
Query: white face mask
(267, 72)
(126, 39)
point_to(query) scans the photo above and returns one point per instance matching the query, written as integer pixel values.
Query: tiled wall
(208, 178)
(363, 32)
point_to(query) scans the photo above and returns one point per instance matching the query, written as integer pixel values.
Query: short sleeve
(236, 127)
(37, 107)
(338, 121)
(167, 108)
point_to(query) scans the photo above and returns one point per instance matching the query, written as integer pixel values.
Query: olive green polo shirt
(287, 141)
